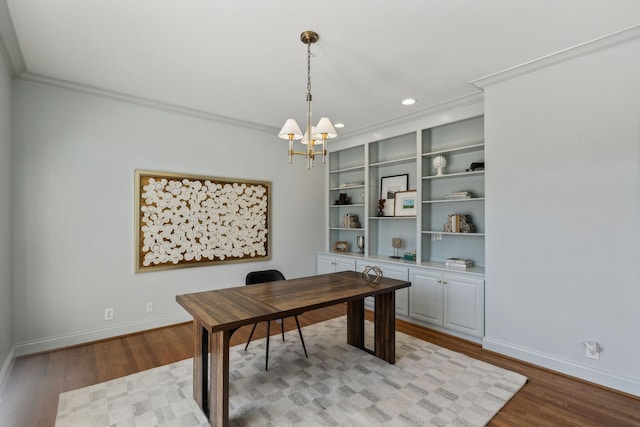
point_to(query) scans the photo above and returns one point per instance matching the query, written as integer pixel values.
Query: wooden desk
(217, 314)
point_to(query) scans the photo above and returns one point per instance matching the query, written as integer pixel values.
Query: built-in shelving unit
(440, 297)
(347, 176)
(357, 172)
(461, 144)
(390, 157)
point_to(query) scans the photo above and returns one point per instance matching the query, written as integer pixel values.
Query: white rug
(337, 385)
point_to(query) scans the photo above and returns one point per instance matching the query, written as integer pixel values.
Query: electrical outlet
(592, 350)
(108, 313)
(438, 236)
(149, 307)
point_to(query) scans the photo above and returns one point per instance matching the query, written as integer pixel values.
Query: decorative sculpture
(368, 275)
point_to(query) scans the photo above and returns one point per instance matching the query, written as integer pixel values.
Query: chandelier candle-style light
(319, 133)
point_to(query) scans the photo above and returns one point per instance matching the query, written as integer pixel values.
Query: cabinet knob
(439, 280)
(444, 281)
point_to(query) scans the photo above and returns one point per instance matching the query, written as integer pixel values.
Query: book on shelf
(455, 223)
(460, 195)
(459, 263)
(459, 260)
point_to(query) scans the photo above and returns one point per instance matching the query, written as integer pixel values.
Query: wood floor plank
(30, 393)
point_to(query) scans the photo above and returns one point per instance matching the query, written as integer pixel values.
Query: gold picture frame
(341, 246)
(184, 220)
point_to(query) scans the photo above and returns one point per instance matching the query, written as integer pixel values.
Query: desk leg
(219, 381)
(355, 323)
(385, 327)
(200, 365)
(211, 392)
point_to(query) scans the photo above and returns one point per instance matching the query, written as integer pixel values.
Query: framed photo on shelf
(341, 246)
(405, 203)
(389, 186)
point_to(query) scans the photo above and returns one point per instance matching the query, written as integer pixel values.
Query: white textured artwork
(186, 221)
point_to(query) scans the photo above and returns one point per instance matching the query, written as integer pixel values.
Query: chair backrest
(263, 276)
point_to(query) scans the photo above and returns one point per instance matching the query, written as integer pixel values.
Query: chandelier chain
(309, 54)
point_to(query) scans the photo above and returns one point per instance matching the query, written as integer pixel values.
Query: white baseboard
(568, 367)
(6, 367)
(52, 343)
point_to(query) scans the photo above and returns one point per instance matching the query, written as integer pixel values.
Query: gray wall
(563, 216)
(6, 233)
(75, 154)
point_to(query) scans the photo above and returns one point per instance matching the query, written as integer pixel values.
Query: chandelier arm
(290, 148)
(324, 147)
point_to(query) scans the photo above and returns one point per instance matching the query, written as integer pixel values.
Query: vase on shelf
(439, 162)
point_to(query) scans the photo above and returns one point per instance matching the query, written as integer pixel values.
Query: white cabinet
(332, 264)
(426, 296)
(394, 272)
(464, 304)
(449, 300)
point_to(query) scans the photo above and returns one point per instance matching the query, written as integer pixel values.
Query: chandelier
(315, 135)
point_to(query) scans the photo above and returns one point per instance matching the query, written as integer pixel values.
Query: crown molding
(9, 46)
(575, 52)
(131, 99)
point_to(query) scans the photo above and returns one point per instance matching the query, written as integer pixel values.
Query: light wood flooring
(30, 393)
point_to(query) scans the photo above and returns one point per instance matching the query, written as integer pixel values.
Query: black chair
(263, 276)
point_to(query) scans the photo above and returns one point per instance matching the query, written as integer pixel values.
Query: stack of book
(460, 195)
(459, 263)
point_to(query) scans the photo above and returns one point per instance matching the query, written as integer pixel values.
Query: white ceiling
(244, 59)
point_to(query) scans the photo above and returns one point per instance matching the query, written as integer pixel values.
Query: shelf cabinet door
(426, 296)
(402, 295)
(332, 264)
(344, 264)
(464, 304)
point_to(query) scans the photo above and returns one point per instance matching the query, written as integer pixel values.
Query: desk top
(231, 308)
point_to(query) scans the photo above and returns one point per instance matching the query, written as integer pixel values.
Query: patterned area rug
(337, 385)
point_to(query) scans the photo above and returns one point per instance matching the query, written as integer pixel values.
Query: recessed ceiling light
(339, 125)
(408, 101)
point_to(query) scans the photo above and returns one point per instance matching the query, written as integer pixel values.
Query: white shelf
(390, 218)
(346, 229)
(454, 175)
(350, 169)
(453, 234)
(351, 187)
(457, 150)
(473, 199)
(347, 206)
(393, 162)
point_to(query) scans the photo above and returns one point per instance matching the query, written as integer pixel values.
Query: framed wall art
(389, 185)
(187, 220)
(406, 203)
